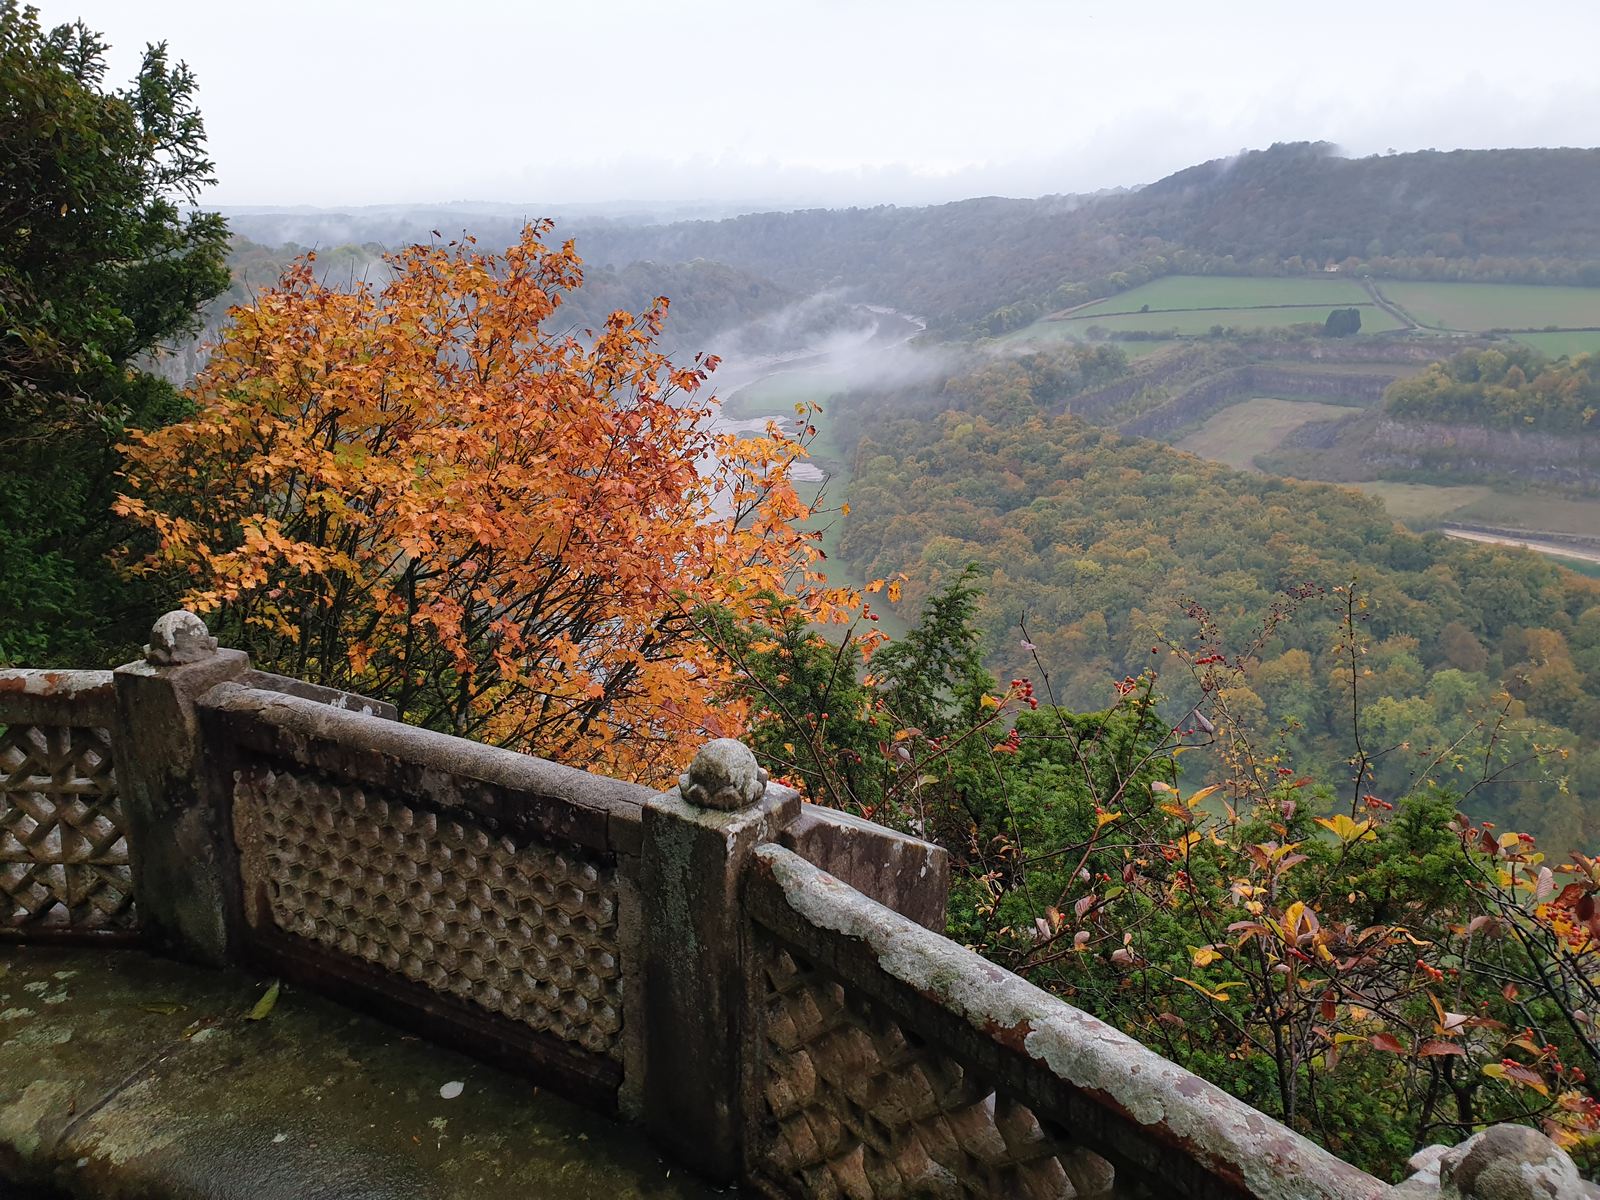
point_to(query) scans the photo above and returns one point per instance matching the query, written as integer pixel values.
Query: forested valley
(1017, 524)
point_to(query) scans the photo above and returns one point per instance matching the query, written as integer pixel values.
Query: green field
(1556, 345)
(1198, 321)
(776, 395)
(1240, 432)
(1231, 291)
(1470, 504)
(1191, 305)
(1048, 331)
(1422, 502)
(1144, 349)
(1479, 306)
(1533, 511)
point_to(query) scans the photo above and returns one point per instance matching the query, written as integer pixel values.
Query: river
(837, 359)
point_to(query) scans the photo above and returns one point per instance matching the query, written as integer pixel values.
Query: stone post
(700, 978)
(1503, 1162)
(174, 835)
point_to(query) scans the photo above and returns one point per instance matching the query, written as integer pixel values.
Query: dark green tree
(934, 678)
(1342, 322)
(103, 261)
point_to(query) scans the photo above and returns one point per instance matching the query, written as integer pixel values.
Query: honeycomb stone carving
(858, 1106)
(528, 932)
(63, 844)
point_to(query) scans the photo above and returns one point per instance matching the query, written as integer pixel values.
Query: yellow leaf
(1204, 956)
(1218, 993)
(1295, 913)
(1105, 819)
(1346, 830)
(264, 1005)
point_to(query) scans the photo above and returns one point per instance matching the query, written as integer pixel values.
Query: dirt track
(1560, 549)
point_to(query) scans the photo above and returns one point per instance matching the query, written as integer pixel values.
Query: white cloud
(347, 102)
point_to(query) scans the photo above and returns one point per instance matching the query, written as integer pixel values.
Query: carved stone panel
(858, 1106)
(63, 845)
(527, 932)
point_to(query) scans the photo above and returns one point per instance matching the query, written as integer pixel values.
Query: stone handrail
(1087, 1097)
(761, 984)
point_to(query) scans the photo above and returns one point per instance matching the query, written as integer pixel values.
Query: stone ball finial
(723, 775)
(179, 637)
(1510, 1162)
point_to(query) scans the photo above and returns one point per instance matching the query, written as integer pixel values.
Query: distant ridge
(1293, 206)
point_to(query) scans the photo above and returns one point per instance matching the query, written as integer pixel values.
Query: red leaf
(1435, 1049)
(1570, 895)
(1387, 1042)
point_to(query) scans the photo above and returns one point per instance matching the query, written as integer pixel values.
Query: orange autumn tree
(420, 493)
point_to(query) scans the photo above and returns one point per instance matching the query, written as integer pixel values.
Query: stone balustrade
(760, 984)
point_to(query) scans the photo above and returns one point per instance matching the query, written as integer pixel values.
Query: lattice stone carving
(63, 845)
(858, 1106)
(528, 932)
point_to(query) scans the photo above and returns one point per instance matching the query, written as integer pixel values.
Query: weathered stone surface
(1510, 1162)
(179, 861)
(63, 835)
(124, 1077)
(700, 978)
(32, 697)
(1168, 1128)
(854, 1096)
(724, 775)
(178, 638)
(333, 697)
(522, 794)
(526, 932)
(897, 870)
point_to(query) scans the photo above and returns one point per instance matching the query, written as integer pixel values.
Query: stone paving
(123, 1075)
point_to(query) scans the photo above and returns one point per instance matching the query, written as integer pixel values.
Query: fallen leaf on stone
(452, 1089)
(264, 1005)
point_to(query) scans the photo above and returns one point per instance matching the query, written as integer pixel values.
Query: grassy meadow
(1422, 503)
(1198, 321)
(1193, 305)
(1558, 345)
(1475, 307)
(1564, 320)
(1231, 292)
(1240, 432)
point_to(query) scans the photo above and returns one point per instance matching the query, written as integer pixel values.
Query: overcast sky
(755, 102)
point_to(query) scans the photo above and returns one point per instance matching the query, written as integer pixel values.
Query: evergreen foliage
(101, 264)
